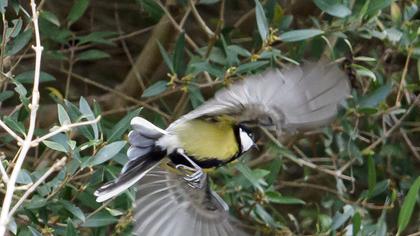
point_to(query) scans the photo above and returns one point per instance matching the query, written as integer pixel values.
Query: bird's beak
(256, 146)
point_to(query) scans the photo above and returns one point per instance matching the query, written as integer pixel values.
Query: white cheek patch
(246, 141)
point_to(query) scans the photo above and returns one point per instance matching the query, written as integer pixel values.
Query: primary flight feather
(212, 135)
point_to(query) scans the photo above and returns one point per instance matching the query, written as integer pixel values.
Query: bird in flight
(173, 195)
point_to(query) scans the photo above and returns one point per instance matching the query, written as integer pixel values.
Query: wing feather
(166, 205)
(298, 97)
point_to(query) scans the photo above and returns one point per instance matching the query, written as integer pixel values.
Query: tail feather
(146, 128)
(143, 156)
(134, 171)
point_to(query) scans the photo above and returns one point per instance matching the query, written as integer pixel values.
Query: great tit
(212, 135)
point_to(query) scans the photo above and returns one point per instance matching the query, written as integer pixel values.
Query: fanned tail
(143, 156)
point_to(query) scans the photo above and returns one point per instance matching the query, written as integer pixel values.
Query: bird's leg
(194, 175)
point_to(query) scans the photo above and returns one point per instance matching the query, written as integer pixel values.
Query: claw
(194, 176)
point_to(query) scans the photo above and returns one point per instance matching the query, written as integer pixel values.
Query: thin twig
(64, 128)
(373, 145)
(126, 51)
(26, 145)
(177, 26)
(404, 75)
(200, 20)
(120, 94)
(311, 165)
(11, 132)
(57, 166)
(4, 175)
(70, 71)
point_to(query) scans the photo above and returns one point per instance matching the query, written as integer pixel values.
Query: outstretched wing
(299, 97)
(166, 205)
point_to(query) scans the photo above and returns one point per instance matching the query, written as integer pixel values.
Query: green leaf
(298, 35)
(55, 146)
(50, 17)
(340, 218)
(250, 175)
(377, 96)
(5, 95)
(178, 59)
(195, 96)
(333, 7)
(70, 229)
(14, 125)
(155, 89)
(250, 66)
(262, 23)
(88, 113)
(357, 221)
(77, 11)
(371, 174)
(264, 215)
(27, 77)
(63, 117)
(34, 231)
(119, 129)
(408, 206)
(15, 30)
(74, 210)
(3, 5)
(98, 37)
(276, 197)
(377, 5)
(151, 7)
(166, 57)
(100, 219)
(24, 177)
(92, 54)
(107, 152)
(208, 2)
(19, 42)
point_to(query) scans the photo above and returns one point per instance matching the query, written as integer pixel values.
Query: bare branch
(64, 128)
(200, 20)
(311, 165)
(57, 166)
(26, 144)
(11, 132)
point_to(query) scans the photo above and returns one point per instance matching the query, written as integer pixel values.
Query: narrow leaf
(107, 152)
(298, 35)
(77, 11)
(63, 117)
(408, 206)
(333, 8)
(262, 23)
(155, 89)
(92, 54)
(178, 59)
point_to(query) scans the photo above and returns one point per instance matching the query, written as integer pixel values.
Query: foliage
(359, 176)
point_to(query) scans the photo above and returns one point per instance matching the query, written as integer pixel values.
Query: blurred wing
(299, 97)
(167, 206)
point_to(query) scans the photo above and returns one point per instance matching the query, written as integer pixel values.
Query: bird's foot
(195, 177)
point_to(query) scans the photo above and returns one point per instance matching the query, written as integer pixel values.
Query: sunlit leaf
(262, 23)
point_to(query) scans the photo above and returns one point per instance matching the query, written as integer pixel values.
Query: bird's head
(246, 138)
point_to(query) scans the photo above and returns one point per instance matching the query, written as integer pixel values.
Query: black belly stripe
(206, 163)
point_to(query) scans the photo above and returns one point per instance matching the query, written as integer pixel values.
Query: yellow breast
(204, 139)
